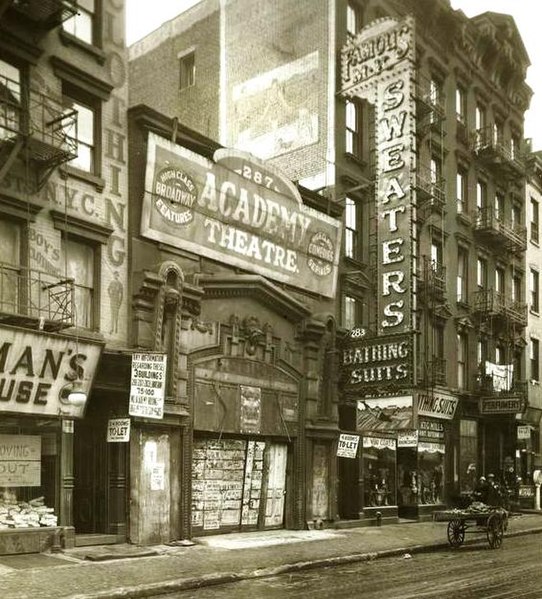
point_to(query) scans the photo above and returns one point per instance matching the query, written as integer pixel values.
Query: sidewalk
(125, 571)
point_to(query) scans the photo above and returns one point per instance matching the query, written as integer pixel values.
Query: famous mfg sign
(239, 211)
(378, 66)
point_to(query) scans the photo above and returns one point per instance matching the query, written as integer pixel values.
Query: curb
(184, 584)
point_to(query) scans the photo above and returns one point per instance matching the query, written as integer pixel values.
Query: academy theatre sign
(240, 211)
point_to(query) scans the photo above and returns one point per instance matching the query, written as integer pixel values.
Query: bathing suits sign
(238, 210)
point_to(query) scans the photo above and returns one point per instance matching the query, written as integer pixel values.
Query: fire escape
(431, 293)
(36, 136)
(498, 314)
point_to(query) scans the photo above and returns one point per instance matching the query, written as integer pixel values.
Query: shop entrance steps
(86, 539)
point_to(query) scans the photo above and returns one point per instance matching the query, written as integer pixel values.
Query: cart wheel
(456, 533)
(495, 530)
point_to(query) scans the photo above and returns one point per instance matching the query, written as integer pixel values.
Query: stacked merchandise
(25, 514)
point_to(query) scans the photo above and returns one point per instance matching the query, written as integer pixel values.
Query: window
(481, 352)
(481, 195)
(352, 317)
(462, 361)
(10, 258)
(534, 290)
(534, 351)
(516, 216)
(481, 120)
(498, 133)
(10, 100)
(85, 132)
(81, 25)
(517, 284)
(187, 70)
(435, 170)
(500, 354)
(515, 147)
(535, 216)
(436, 254)
(461, 192)
(461, 105)
(351, 228)
(499, 206)
(499, 282)
(462, 274)
(80, 262)
(481, 273)
(468, 455)
(352, 18)
(353, 128)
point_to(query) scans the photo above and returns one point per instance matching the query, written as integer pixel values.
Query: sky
(143, 17)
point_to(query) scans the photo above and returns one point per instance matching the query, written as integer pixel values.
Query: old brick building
(409, 116)
(63, 270)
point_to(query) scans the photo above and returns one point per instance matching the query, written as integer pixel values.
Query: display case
(378, 469)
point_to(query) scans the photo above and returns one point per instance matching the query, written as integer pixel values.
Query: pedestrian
(481, 490)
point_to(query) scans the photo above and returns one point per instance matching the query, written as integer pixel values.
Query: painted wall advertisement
(251, 398)
(38, 369)
(240, 211)
(148, 385)
(20, 461)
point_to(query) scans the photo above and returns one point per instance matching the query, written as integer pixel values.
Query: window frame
(187, 70)
(71, 95)
(351, 228)
(462, 190)
(462, 361)
(534, 358)
(481, 273)
(351, 311)
(461, 104)
(534, 228)
(352, 126)
(92, 14)
(534, 290)
(462, 278)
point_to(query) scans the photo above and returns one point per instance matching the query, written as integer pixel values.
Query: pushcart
(492, 521)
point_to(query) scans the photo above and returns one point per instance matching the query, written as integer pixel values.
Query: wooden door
(275, 491)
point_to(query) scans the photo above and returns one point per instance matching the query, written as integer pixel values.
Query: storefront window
(28, 471)
(430, 472)
(468, 455)
(379, 462)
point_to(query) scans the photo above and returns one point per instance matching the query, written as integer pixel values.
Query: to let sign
(118, 430)
(348, 446)
(148, 384)
(20, 461)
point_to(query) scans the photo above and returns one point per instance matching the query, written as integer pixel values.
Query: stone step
(86, 539)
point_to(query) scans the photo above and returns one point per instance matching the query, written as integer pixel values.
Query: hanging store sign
(148, 385)
(118, 430)
(347, 446)
(239, 211)
(37, 370)
(379, 443)
(501, 405)
(428, 447)
(407, 438)
(437, 404)
(378, 361)
(20, 461)
(378, 66)
(524, 432)
(431, 429)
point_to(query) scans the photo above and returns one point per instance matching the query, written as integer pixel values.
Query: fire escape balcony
(493, 385)
(432, 372)
(500, 235)
(33, 298)
(490, 304)
(34, 127)
(431, 280)
(430, 192)
(496, 154)
(45, 14)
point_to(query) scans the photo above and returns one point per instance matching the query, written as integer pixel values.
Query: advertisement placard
(20, 461)
(148, 384)
(118, 430)
(348, 446)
